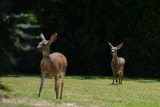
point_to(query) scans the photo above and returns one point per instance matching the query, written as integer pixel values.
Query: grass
(80, 92)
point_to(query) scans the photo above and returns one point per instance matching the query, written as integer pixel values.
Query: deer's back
(121, 61)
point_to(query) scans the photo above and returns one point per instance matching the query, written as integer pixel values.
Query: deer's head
(115, 49)
(45, 44)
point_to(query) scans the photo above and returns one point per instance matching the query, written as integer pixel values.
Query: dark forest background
(84, 28)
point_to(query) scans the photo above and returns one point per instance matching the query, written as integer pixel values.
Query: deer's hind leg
(114, 77)
(56, 86)
(120, 77)
(62, 84)
(121, 74)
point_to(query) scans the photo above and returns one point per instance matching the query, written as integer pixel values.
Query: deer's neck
(115, 59)
(47, 64)
(46, 53)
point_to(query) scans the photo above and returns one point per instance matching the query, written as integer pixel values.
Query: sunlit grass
(81, 91)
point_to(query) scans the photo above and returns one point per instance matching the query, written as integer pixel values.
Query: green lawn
(80, 91)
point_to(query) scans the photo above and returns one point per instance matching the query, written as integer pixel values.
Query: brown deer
(52, 64)
(117, 63)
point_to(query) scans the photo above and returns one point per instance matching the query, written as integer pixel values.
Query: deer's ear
(42, 37)
(110, 44)
(53, 38)
(120, 46)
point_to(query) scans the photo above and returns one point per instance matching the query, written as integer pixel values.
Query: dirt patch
(2, 97)
(34, 102)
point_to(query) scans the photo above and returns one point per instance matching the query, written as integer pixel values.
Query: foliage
(15, 35)
(84, 28)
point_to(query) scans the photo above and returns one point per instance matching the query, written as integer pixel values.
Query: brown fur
(55, 65)
(117, 64)
(52, 64)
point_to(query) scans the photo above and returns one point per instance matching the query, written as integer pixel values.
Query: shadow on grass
(88, 77)
(4, 88)
(143, 80)
(115, 84)
(140, 80)
(148, 81)
(20, 75)
(136, 79)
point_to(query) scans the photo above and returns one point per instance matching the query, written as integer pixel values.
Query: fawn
(52, 64)
(117, 63)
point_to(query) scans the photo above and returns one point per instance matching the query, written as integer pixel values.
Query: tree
(14, 39)
(84, 27)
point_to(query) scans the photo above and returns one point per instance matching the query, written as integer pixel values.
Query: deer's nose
(38, 47)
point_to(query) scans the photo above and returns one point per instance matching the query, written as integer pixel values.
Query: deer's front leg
(114, 73)
(41, 86)
(114, 76)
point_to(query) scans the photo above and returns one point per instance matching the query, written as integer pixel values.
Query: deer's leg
(56, 86)
(121, 77)
(122, 74)
(41, 86)
(114, 73)
(62, 84)
(114, 76)
(117, 76)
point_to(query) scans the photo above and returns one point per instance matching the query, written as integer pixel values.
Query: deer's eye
(46, 42)
(43, 44)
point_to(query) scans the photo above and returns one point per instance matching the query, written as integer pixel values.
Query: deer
(54, 65)
(117, 63)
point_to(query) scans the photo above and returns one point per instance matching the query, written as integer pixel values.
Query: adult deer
(117, 63)
(52, 64)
